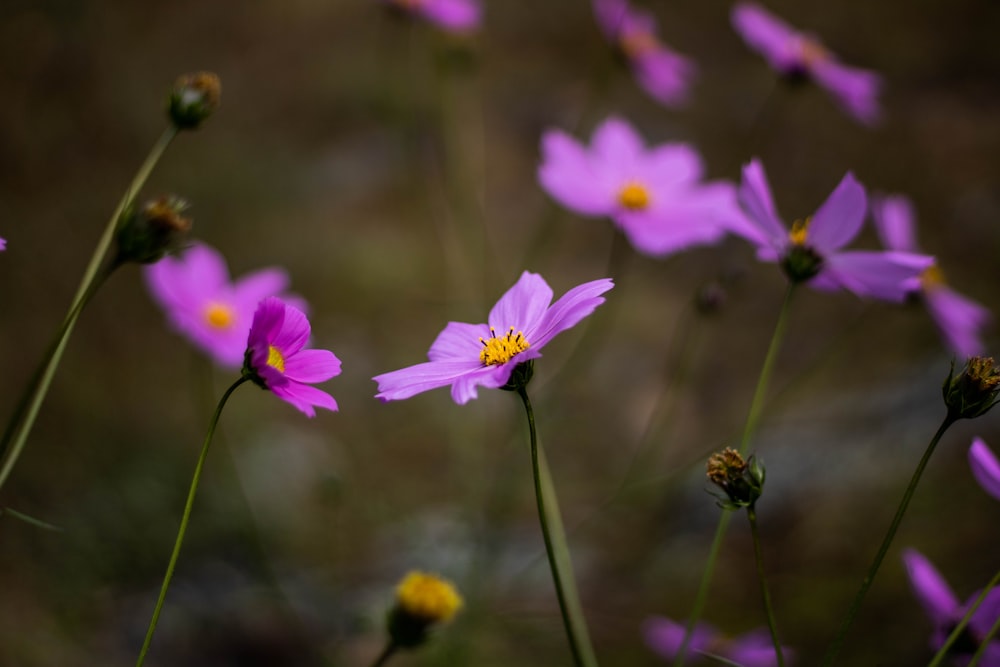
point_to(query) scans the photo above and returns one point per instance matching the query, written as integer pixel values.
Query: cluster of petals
(945, 611)
(960, 319)
(796, 54)
(654, 195)
(205, 306)
(985, 467)
(451, 15)
(887, 275)
(276, 358)
(521, 323)
(753, 649)
(663, 73)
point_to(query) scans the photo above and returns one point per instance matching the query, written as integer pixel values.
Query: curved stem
(764, 593)
(182, 530)
(866, 583)
(387, 652)
(981, 651)
(943, 651)
(557, 550)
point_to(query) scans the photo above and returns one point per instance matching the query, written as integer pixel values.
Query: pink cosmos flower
(654, 195)
(202, 304)
(812, 250)
(985, 467)
(945, 612)
(276, 360)
(663, 73)
(960, 320)
(467, 356)
(452, 15)
(753, 649)
(797, 55)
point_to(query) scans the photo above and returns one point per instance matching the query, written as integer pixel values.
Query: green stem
(557, 550)
(182, 530)
(866, 583)
(764, 593)
(943, 651)
(981, 651)
(387, 652)
(753, 416)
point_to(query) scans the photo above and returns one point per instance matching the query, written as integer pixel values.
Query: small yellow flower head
(741, 480)
(422, 600)
(974, 391)
(194, 98)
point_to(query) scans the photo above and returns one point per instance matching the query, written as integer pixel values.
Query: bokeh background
(391, 169)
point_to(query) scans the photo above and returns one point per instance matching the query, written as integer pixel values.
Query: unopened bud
(422, 601)
(974, 391)
(741, 480)
(194, 98)
(158, 228)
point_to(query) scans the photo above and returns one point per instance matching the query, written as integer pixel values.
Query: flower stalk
(960, 628)
(764, 592)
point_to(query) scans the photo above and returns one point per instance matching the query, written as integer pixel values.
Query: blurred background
(390, 168)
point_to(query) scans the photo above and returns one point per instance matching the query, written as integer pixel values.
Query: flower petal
(522, 306)
(840, 217)
(413, 380)
(572, 307)
(931, 589)
(767, 34)
(671, 228)
(665, 636)
(252, 288)
(985, 467)
(193, 277)
(755, 649)
(895, 221)
(312, 366)
(294, 332)
(452, 14)
(665, 75)
(458, 341)
(854, 88)
(670, 165)
(754, 195)
(304, 397)
(567, 175)
(880, 275)
(960, 319)
(616, 144)
(611, 15)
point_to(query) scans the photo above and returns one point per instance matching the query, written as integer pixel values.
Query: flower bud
(146, 235)
(422, 601)
(801, 263)
(974, 391)
(194, 98)
(741, 480)
(520, 376)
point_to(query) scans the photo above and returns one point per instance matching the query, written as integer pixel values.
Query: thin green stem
(557, 550)
(753, 416)
(866, 583)
(981, 651)
(764, 592)
(387, 652)
(182, 530)
(960, 628)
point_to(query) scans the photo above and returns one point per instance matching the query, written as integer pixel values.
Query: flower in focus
(985, 467)
(467, 356)
(811, 250)
(974, 391)
(654, 195)
(741, 480)
(422, 601)
(753, 649)
(202, 304)
(799, 55)
(663, 73)
(275, 358)
(454, 15)
(960, 319)
(945, 612)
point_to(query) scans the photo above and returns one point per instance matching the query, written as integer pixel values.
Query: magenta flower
(654, 195)
(985, 467)
(467, 356)
(3, 244)
(451, 15)
(661, 72)
(203, 305)
(945, 612)
(812, 250)
(799, 55)
(275, 359)
(753, 649)
(960, 319)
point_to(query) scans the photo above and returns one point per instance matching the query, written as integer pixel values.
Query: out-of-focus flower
(194, 98)
(422, 601)
(945, 612)
(467, 356)
(654, 195)
(276, 360)
(201, 303)
(157, 228)
(800, 55)
(452, 15)
(985, 467)
(960, 319)
(663, 73)
(753, 649)
(812, 250)
(3, 244)
(741, 480)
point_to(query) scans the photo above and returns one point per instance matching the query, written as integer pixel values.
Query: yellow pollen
(799, 232)
(275, 359)
(428, 597)
(638, 43)
(634, 196)
(219, 316)
(501, 350)
(812, 52)
(932, 277)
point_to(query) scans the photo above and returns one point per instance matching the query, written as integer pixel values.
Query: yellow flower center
(638, 43)
(932, 277)
(219, 316)
(428, 597)
(275, 359)
(634, 196)
(500, 350)
(799, 232)
(812, 52)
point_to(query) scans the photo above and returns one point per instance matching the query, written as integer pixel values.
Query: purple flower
(960, 319)
(202, 303)
(467, 356)
(276, 360)
(3, 244)
(795, 54)
(654, 195)
(663, 73)
(753, 649)
(945, 611)
(812, 250)
(985, 467)
(452, 15)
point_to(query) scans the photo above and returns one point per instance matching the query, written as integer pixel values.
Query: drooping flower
(753, 649)
(945, 612)
(985, 467)
(467, 356)
(812, 250)
(452, 15)
(960, 319)
(799, 55)
(201, 303)
(275, 358)
(654, 195)
(663, 73)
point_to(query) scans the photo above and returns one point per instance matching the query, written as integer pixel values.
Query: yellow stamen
(219, 316)
(428, 597)
(932, 277)
(638, 43)
(275, 359)
(799, 233)
(634, 196)
(501, 350)
(812, 52)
